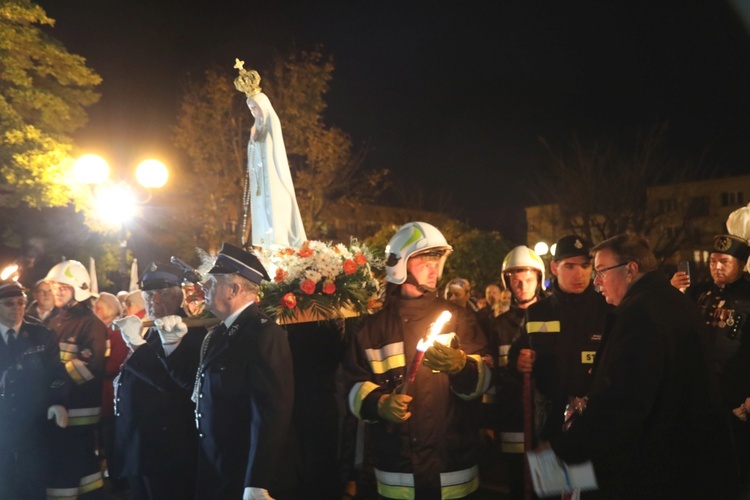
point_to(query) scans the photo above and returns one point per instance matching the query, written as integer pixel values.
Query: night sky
(455, 98)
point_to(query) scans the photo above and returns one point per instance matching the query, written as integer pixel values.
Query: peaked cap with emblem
(161, 275)
(11, 288)
(571, 246)
(234, 260)
(731, 245)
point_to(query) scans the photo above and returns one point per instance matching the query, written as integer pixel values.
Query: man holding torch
(424, 418)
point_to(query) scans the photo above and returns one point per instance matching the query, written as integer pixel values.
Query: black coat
(154, 416)
(30, 382)
(653, 426)
(565, 330)
(245, 410)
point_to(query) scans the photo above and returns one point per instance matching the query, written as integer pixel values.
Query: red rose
(374, 304)
(289, 300)
(288, 251)
(280, 275)
(350, 267)
(305, 252)
(360, 259)
(329, 287)
(308, 286)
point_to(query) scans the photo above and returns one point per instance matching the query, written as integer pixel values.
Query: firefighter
(424, 436)
(82, 338)
(523, 275)
(562, 333)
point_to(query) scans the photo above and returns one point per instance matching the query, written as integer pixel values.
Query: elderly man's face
(44, 297)
(724, 268)
(163, 301)
(611, 276)
(458, 295)
(12, 310)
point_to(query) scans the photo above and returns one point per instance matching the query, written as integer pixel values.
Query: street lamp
(115, 203)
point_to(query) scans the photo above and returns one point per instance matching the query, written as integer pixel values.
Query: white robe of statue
(276, 221)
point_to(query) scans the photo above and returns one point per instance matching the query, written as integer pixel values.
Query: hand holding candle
(423, 345)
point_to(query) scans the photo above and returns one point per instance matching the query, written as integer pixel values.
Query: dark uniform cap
(571, 246)
(731, 245)
(234, 260)
(11, 288)
(160, 275)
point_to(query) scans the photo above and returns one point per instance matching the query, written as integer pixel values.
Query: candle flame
(434, 331)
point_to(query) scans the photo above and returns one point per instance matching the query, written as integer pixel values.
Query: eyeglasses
(21, 302)
(599, 273)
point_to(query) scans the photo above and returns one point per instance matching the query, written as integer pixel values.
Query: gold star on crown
(248, 81)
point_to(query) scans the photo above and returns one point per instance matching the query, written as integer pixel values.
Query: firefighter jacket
(82, 339)
(564, 330)
(154, 419)
(508, 404)
(434, 451)
(726, 311)
(653, 427)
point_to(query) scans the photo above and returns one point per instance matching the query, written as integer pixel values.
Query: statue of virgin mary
(269, 191)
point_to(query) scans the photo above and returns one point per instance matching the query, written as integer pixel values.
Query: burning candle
(422, 346)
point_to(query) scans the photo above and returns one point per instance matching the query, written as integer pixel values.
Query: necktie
(12, 342)
(216, 333)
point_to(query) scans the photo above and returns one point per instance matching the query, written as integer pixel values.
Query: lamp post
(115, 203)
(546, 252)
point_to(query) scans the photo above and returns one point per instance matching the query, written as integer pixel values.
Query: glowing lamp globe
(90, 169)
(152, 174)
(541, 248)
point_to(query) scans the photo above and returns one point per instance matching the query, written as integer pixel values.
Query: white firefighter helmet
(73, 273)
(521, 258)
(412, 239)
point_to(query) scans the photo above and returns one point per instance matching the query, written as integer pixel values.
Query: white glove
(171, 329)
(256, 494)
(131, 328)
(60, 414)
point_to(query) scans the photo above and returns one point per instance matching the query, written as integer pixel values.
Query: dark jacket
(244, 410)
(653, 422)
(154, 416)
(30, 382)
(565, 330)
(82, 339)
(508, 405)
(442, 434)
(726, 311)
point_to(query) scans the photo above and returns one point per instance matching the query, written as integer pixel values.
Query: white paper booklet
(551, 477)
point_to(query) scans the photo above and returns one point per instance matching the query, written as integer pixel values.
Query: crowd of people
(609, 361)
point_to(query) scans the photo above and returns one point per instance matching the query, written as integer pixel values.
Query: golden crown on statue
(248, 81)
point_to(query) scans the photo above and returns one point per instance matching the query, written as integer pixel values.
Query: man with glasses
(155, 438)
(82, 338)
(561, 335)
(43, 307)
(652, 425)
(32, 384)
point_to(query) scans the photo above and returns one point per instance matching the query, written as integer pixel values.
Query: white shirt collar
(232, 317)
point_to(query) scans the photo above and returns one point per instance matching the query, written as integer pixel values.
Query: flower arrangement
(321, 280)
